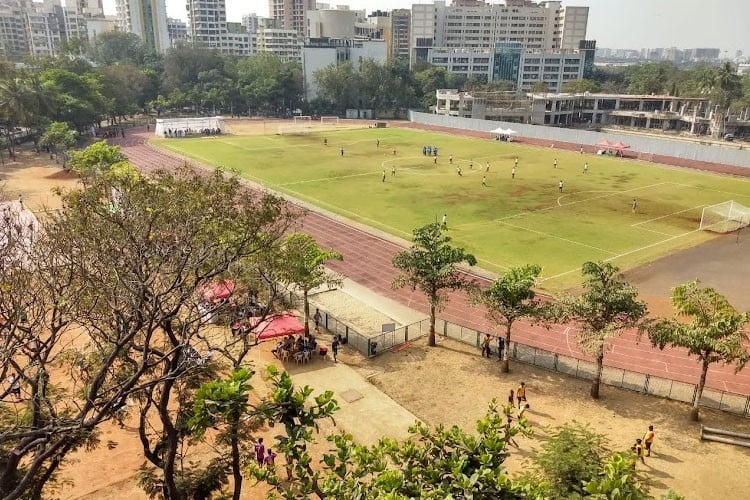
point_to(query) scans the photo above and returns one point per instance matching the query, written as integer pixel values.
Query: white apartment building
(208, 28)
(95, 26)
(330, 23)
(87, 8)
(178, 31)
(545, 25)
(13, 41)
(320, 53)
(145, 18)
(287, 44)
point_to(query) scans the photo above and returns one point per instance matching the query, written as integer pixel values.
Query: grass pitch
(508, 222)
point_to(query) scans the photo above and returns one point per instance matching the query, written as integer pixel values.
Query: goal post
(725, 217)
(303, 120)
(329, 120)
(292, 129)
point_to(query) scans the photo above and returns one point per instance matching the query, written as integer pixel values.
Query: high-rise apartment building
(208, 28)
(292, 13)
(86, 8)
(178, 31)
(145, 18)
(13, 41)
(474, 24)
(400, 30)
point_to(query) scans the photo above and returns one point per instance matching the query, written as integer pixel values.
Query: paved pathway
(367, 261)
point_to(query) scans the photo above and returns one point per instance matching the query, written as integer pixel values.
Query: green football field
(508, 222)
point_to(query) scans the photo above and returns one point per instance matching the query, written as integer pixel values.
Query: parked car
(729, 137)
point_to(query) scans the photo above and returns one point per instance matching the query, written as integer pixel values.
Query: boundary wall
(688, 150)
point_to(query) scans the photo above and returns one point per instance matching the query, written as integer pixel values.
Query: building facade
(400, 33)
(208, 28)
(145, 18)
(286, 44)
(291, 13)
(178, 31)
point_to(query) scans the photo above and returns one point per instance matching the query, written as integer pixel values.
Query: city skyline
(617, 24)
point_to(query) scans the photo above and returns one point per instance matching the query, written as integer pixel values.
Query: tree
(435, 462)
(113, 47)
(76, 99)
(540, 87)
(303, 266)
(580, 86)
(607, 306)
(717, 331)
(339, 84)
(97, 158)
(123, 88)
(58, 136)
(431, 265)
(510, 298)
(571, 456)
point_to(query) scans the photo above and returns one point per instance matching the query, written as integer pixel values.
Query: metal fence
(373, 344)
(615, 377)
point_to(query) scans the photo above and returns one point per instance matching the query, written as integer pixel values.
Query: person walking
(560, 186)
(394, 151)
(522, 411)
(270, 460)
(638, 449)
(377, 143)
(521, 394)
(383, 175)
(635, 204)
(450, 159)
(512, 398)
(581, 149)
(342, 151)
(554, 163)
(471, 164)
(487, 167)
(15, 386)
(513, 173)
(586, 168)
(648, 439)
(434, 160)
(444, 224)
(458, 171)
(317, 318)
(335, 349)
(325, 141)
(486, 345)
(260, 450)
(393, 171)
(515, 164)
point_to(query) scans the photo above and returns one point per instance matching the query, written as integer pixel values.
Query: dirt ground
(449, 384)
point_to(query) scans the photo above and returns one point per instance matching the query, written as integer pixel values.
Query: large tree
(431, 265)
(717, 332)
(303, 266)
(607, 306)
(58, 136)
(510, 298)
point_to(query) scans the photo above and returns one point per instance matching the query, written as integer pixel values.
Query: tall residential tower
(145, 18)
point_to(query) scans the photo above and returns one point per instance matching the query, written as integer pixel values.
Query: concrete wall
(659, 146)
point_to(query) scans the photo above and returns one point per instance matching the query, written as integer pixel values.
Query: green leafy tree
(123, 88)
(226, 403)
(268, 85)
(717, 332)
(607, 306)
(580, 86)
(76, 99)
(436, 462)
(540, 87)
(339, 84)
(113, 47)
(431, 265)
(58, 136)
(572, 455)
(510, 298)
(304, 267)
(619, 480)
(97, 158)
(183, 64)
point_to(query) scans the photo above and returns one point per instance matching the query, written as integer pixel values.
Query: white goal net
(329, 120)
(725, 217)
(290, 129)
(303, 120)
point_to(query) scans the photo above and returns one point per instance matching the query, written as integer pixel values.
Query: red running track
(367, 261)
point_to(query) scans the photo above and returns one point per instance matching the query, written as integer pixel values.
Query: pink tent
(604, 144)
(216, 290)
(620, 145)
(276, 326)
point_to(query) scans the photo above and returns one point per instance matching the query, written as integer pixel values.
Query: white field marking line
(653, 231)
(651, 245)
(559, 275)
(556, 237)
(665, 216)
(566, 332)
(587, 191)
(714, 190)
(494, 264)
(316, 201)
(551, 207)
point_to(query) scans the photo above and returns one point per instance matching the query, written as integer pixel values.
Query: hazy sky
(612, 23)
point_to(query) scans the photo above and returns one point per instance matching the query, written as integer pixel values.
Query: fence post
(695, 393)
(515, 350)
(479, 338)
(406, 333)
(554, 362)
(645, 383)
(747, 406)
(346, 330)
(445, 328)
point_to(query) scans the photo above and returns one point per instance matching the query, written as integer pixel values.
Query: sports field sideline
(510, 221)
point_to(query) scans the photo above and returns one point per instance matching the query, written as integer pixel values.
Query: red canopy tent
(216, 290)
(620, 146)
(603, 144)
(276, 326)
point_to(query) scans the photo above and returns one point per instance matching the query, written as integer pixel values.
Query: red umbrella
(276, 326)
(217, 290)
(620, 145)
(604, 144)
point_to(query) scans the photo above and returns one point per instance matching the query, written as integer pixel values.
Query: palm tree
(13, 100)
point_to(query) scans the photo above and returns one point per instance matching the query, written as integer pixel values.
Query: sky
(627, 24)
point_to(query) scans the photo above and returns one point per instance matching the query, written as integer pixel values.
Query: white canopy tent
(188, 126)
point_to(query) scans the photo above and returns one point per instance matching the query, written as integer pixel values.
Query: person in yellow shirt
(521, 394)
(638, 449)
(648, 439)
